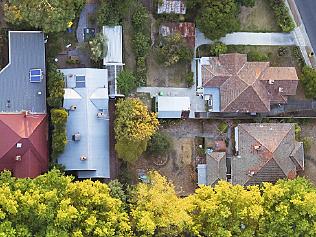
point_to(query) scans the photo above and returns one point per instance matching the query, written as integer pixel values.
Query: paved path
(249, 38)
(84, 20)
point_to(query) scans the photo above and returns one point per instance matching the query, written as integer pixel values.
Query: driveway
(307, 9)
(88, 10)
(249, 38)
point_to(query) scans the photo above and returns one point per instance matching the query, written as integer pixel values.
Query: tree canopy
(50, 16)
(215, 18)
(308, 79)
(126, 82)
(134, 126)
(56, 205)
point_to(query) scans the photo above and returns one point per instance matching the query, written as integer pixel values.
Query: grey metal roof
(17, 93)
(94, 131)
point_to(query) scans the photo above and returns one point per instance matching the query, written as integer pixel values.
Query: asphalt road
(307, 9)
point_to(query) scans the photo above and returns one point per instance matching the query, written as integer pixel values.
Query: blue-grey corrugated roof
(26, 51)
(94, 131)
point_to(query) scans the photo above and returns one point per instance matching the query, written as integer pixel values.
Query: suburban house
(171, 7)
(86, 100)
(113, 59)
(235, 85)
(264, 152)
(172, 106)
(23, 118)
(185, 29)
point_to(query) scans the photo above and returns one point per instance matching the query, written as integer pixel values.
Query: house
(265, 153)
(23, 119)
(113, 59)
(86, 100)
(23, 144)
(185, 29)
(171, 6)
(240, 86)
(172, 106)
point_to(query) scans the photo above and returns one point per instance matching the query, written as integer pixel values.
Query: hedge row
(284, 19)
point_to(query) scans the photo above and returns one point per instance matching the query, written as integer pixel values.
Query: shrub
(140, 19)
(218, 48)
(141, 44)
(222, 127)
(55, 86)
(307, 143)
(308, 80)
(256, 56)
(247, 3)
(96, 47)
(126, 82)
(284, 19)
(160, 144)
(172, 50)
(59, 137)
(190, 79)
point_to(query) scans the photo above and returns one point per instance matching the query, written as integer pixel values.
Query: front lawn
(260, 18)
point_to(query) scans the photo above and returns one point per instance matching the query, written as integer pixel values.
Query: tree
(126, 82)
(216, 18)
(160, 144)
(97, 47)
(156, 210)
(55, 85)
(50, 16)
(54, 205)
(172, 50)
(289, 208)
(134, 126)
(225, 210)
(218, 48)
(308, 79)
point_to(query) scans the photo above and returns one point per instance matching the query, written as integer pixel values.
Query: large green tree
(53, 205)
(47, 15)
(308, 80)
(134, 126)
(215, 18)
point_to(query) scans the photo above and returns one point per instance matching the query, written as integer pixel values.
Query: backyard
(259, 18)
(179, 165)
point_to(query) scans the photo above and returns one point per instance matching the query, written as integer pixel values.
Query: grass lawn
(260, 18)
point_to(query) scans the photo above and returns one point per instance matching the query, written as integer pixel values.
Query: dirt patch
(129, 56)
(180, 167)
(259, 18)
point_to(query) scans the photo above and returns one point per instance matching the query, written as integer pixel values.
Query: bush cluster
(141, 42)
(308, 80)
(59, 137)
(256, 56)
(284, 19)
(55, 86)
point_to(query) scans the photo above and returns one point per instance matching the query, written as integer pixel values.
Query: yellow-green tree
(53, 205)
(50, 16)
(225, 210)
(156, 209)
(134, 126)
(289, 209)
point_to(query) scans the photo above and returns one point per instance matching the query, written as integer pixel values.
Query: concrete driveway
(307, 9)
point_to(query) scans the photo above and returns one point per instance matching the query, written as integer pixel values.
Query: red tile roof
(29, 131)
(248, 86)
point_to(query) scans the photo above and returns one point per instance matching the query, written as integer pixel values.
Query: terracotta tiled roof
(31, 134)
(248, 86)
(266, 153)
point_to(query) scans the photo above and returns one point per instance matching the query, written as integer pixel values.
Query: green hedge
(55, 86)
(284, 19)
(59, 136)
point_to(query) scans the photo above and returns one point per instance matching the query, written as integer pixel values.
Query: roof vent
(251, 173)
(280, 89)
(39, 92)
(18, 145)
(18, 158)
(271, 82)
(257, 147)
(83, 158)
(101, 115)
(73, 107)
(76, 136)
